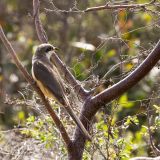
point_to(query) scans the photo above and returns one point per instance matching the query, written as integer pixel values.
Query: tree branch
(42, 36)
(30, 80)
(118, 6)
(108, 6)
(60, 65)
(118, 89)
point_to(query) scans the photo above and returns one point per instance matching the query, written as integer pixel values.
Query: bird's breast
(44, 90)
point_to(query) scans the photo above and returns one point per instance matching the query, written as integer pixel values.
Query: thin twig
(118, 6)
(30, 80)
(108, 6)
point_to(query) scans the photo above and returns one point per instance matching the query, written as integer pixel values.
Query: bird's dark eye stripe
(49, 49)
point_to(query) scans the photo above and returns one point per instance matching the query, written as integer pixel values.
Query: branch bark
(42, 36)
(30, 80)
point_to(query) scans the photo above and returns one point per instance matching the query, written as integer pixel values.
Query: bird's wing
(49, 79)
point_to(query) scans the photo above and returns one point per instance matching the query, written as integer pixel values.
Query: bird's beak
(49, 55)
(56, 49)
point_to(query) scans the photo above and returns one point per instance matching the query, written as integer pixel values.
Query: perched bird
(48, 79)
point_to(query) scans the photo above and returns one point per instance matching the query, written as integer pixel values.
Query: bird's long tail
(78, 122)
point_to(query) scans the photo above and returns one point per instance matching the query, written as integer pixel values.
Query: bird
(48, 79)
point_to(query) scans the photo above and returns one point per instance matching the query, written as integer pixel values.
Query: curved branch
(30, 80)
(60, 65)
(118, 89)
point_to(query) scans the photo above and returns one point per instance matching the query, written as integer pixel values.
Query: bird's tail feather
(78, 122)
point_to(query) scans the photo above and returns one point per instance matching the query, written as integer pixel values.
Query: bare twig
(108, 6)
(118, 6)
(113, 68)
(30, 80)
(60, 65)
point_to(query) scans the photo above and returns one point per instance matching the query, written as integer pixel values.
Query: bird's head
(45, 50)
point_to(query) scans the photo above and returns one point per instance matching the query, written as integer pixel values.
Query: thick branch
(60, 65)
(128, 82)
(30, 80)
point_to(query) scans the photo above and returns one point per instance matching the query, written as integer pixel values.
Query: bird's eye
(49, 49)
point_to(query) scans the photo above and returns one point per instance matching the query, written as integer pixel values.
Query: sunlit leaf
(21, 115)
(123, 101)
(128, 66)
(111, 53)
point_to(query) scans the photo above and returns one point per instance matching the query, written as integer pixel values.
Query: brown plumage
(49, 80)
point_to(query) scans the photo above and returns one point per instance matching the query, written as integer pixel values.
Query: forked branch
(118, 89)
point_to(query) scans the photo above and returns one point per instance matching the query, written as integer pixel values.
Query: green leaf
(123, 101)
